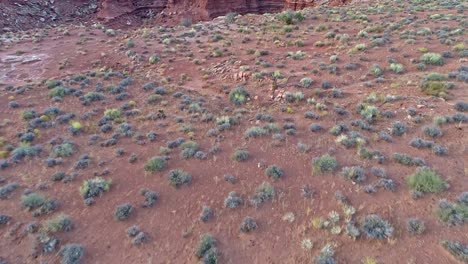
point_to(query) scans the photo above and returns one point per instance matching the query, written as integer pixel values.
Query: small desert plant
(354, 173)
(452, 213)
(426, 180)
(123, 211)
(60, 223)
(398, 128)
(4, 219)
(435, 88)
(456, 249)
(415, 226)
(375, 227)
(156, 164)
(140, 238)
(290, 17)
(421, 143)
(263, 193)
(407, 160)
(24, 150)
(112, 113)
(71, 253)
(94, 187)
(274, 171)
(178, 177)
(376, 70)
(83, 162)
(463, 198)
(206, 213)
(461, 106)
(66, 149)
(397, 68)
(255, 131)
(133, 231)
(153, 59)
(238, 95)
(432, 58)
(369, 112)
(315, 127)
(248, 225)
(432, 131)
(324, 164)
(306, 82)
(7, 189)
(338, 129)
(206, 249)
(233, 200)
(188, 149)
(32, 200)
(240, 155)
(150, 197)
(326, 255)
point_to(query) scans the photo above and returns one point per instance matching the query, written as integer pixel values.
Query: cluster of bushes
(206, 250)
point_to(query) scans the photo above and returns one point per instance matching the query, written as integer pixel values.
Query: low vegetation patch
(426, 180)
(324, 164)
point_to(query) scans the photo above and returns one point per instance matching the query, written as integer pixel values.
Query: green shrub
(354, 173)
(59, 91)
(369, 113)
(290, 17)
(65, 149)
(240, 155)
(62, 222)
(238, 95)
(306, 82)
(32, 200)
(324, 164)
(407, 160)
(248, 225)
(255, 131)
(71, 253)
(122, 212)
(432, 58)
(233, 200)
(415, 226)
(188, 149)
(52, 83)
(397, 68)
(207, 242)
(375, 227)
(25, 150)
(432, 131)
(274, 171)
(456, 249)
(426, 180)
(452, 213)
(153, 59)
(376, 70)
(434, 88)
(206, 213)
(94, 187)
(28, 114)
(263, 193)
(113, 113)
(178, 177)
(434, 76)
(398, 128)
(156, 164)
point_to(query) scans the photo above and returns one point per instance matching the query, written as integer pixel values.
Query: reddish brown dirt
(172, 224)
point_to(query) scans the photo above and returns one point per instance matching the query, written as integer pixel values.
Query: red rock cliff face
(216, 8)
(205, 9)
